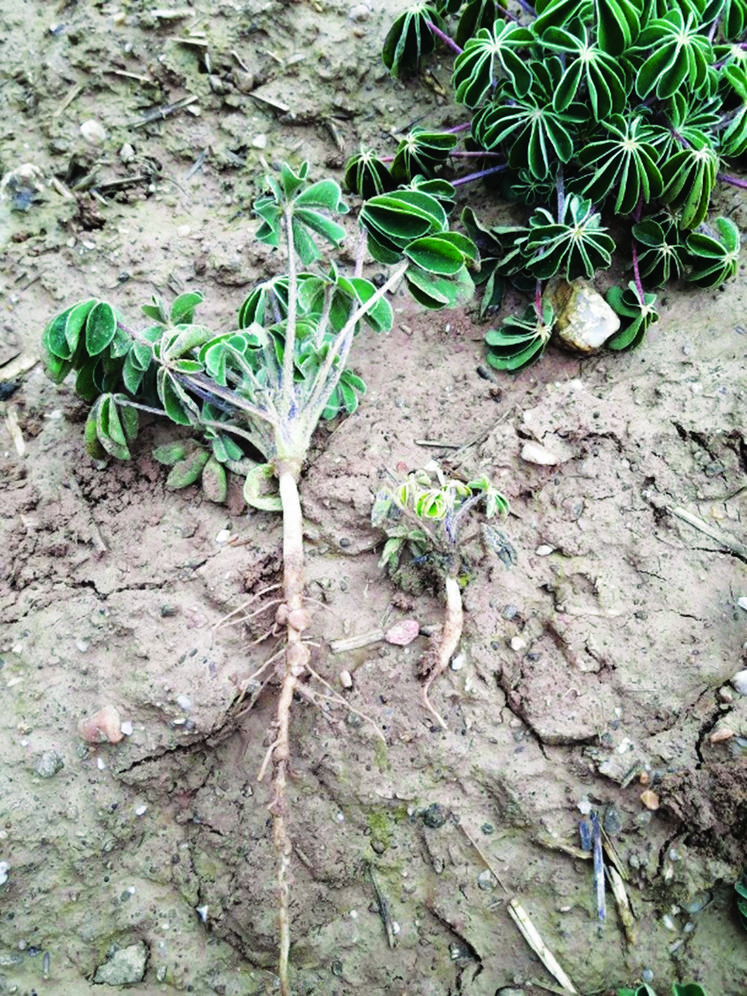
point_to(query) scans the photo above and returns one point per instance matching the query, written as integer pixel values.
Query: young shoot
(424, 518)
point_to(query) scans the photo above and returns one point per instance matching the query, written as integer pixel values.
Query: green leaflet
(713, 253)
(101, 327)
(636, 316)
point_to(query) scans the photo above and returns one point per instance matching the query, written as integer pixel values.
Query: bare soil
(594, 668)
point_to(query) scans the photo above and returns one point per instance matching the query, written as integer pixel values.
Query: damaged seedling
(424, 518)
(262, 388)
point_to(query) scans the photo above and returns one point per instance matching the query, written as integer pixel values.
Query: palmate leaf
(520, 340)
(366, 175)
(734, 19)
(590, 72)
(421, 152)
(533, 133)
(307, 206)
(689, 178)
(636, 315)
(396, 219)
(577, 246)
(713, 253)
(624, 164)
(410, 38)
(661, 256)
(675, 53)
(487, 56)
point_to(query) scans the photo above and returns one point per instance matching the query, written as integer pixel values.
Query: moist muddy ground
(592, 670)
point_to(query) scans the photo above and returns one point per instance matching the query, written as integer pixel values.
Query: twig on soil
(623, 904)
(486, 860)
(531, 936)
(160, 113)
(723, 539)
(383, 907)
(356, 642)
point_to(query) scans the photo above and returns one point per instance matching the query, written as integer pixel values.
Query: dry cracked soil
(593, 670)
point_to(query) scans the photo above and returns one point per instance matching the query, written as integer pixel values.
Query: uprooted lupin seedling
(424, 518)
(263, 387)
(609, 121)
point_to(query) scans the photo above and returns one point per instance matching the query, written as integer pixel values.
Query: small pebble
(4, 869)
(184, 702)
(739, 682)
(539, 454)
(458, 662)
(725, 694)
(403, 633)
(724, 733)
(545, 550)
(102, 727)
(486, 880)
(93, 132)
(742, 602)
(49, 764)
(650, 799)
(346, 679)
(223, 536)
(517, 643)
(127, 728)
(141, 810)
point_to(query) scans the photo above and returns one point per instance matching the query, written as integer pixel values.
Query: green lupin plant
(261, 389)
(631, 110)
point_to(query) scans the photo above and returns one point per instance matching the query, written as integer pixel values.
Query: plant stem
(451, 634)
(449, 42)
(480, 175)
(735, 181)
(289, 349)
(327, 377)
(296, 659)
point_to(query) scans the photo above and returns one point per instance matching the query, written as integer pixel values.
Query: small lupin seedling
(424, 518)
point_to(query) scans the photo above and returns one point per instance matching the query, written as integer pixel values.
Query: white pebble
(223, 536)
(127, 728)
(141, 810)
(93, 132)
(346, 679)
(184, 702)
(545, 550)
(739, 682)
(458, 662)
(742, 602)
(517, 643)
(259, 142)
(537, 453)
